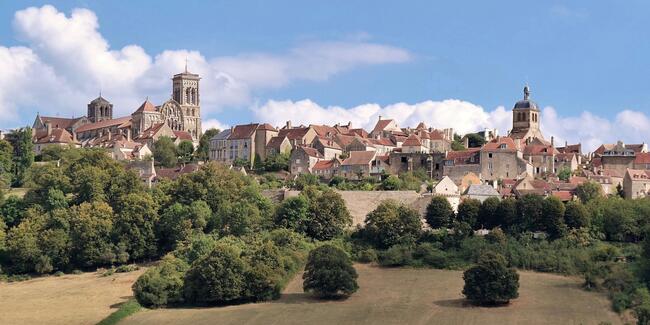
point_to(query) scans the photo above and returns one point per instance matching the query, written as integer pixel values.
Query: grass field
(70, 299)
(17, 191)
(406, 296)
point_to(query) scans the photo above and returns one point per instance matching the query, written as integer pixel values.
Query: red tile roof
(639, 174)
(324, 164)
(174, 173)
(150, 132)
(328, 142)
(183, 135)
(436, 135)
(311, 151)
(539, 149)
(360, 132)
(563, 195)
(412, 141)
(642, 158)
(294, 133)
(266, 127)
(103, 124)
(464, 157)
(359, 158)
(147, 106)
(381, 125)
(57, 136)
(244, 131)
(496, 143)
(58, 122)
(382, 142)
(324, 130)
(275, 142)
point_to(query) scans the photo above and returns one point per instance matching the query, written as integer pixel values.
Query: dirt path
(70, 299)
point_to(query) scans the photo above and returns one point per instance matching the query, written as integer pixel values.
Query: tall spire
(526, 92)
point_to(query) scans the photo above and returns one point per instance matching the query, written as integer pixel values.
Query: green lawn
(406, 296)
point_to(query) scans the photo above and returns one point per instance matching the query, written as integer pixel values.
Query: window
(502, 146)
(490, 155)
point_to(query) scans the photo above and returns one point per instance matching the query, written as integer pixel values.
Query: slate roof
(481, 190)
(103, 124)
(243, 131)
(59, 122)
(359, 158)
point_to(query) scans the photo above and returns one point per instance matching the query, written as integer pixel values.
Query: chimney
(349, 124)
(48, 126)
(566, 144)
(552, 141)
(288, 126)
(128, 134)
(380, 117)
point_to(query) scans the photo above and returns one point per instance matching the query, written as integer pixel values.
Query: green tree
(491, 282)
(392, 223)
(90, 183)
(487, 214)
(564, 173)
(329, 273)
(576, 215)
(161, 285)
(529, 212)
(588, 191)
(439, 213)
(468, 212)
(174, 226)
(164, 152)
(328, 216)
(620, 191)
(304, 180)
(292, 213)
(22, 246)
(475, 140)
(91, 225)
(553, 217)
(217, 278)
(507, 214)
(185, 151)
(276, 162)
(52, 153)
(203, 151)
(12, 210)
(457, 144)
(23, 154)
(391, 183)
(134, 225)
(6, 163)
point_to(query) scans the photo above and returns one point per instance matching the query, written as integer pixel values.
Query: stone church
(179, 118)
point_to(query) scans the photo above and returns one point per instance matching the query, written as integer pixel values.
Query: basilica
(178, 118)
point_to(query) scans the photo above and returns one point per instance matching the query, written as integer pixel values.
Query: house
(408, 162)
(219, 146)
(642, 160)
(447, 188)
(298, 136)
(501, 159)
(327, 147)
(636, 183)
(620, 157)
(468, 179)
(530, 185)
(53, 137)
(152, 134)
(575, 149)
(457, 164)
(278, 145)
(303, 159)
(175, 172)
(384, 128)
(568, 161)
(244, 142)
(145, 170)
(326, 169)
(541, 156)
(414, 144)
(358, 165)
(481, 192)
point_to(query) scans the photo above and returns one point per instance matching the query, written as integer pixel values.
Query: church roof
(104, 124)
(59, 122)
(147, 106)
(526, 103)
(99, 100)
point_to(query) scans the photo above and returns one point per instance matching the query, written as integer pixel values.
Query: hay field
(406, 296)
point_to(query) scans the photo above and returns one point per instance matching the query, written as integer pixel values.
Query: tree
(185, 151)
(218, 277)
(174, 227)
(329, 273)
(576, 215)
(52, 153)
(23, 154)
(553, 217)
(620, 191)
(392, 223)
(90, 183)
(487, 214)
(439, 213)
(529, 213)
(203, 151)
(164, 152)
(12, 210)
(588, 191)
(507, 213)
(91, 226)
(134, 225)
(391, 183)
(6, 163)
(457, 144)
(491, 282)
(303, 180)
(292, 213)
(468, 211)
(475, 140)
(564, 173)
(276, 162)
(328, 216)
(161, 285)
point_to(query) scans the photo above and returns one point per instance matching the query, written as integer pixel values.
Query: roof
(311, 151)
(223, 135)
(147, 106)
(151, 131)
(481, 190)
(344, 140)
(382, 142)
(564, 156)
(174, 173)
(539, 149)
(436, 135)
(243, 131)
(639, 174)
(412, 141)
(103, 124)
(266, 127)
(324, 164)
(328, 142)
(421, 126)
(294, 133)
(183, 135)
(571, 148)
(359, 158)
(563, 195)
(324, 130)
(99, 100)
(381, 125)
(58, 135)
(58, 122)
(642, 158)
(360, 132)
(275, 142)
(496, 144)
(526, 103)
(464, 157)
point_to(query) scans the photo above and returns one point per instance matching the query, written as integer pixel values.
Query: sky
(460, 64)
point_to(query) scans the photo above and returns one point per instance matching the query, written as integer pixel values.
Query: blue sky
(579, 57)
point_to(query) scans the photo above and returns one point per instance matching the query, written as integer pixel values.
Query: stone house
(636, 183)
(243, 142)
(384, 128)
(53, 137)
(303, 159)
(358, 165)
(619, 158)
(501, 159)
(541, 157)
(407, 162)
(219, 146)
(327, 147)
(414, 144)
(278, 145)
(566, 160)
(468, 179)
(459, 163)
(575, 149)
(642, 160)
(298, 136)
(326, 169)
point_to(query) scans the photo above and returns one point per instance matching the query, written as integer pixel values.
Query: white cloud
(589, 129)
(66, 62)
(214, 124)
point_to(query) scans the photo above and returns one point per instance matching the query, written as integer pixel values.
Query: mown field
(70, 299)
(406, 296)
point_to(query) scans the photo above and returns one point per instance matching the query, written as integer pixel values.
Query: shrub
(398, 255)
(490, 281)
(126, 268)
(161, 285)
(216, 278)
(430, 255)
(392, 223)
(329, 273)
(367, 256)
(43, 265)
(328, 216)
(439, 212)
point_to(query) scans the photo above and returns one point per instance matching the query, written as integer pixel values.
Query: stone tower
(525, 119)
(99, 110)
(186, 94)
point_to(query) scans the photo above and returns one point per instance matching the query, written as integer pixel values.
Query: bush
(439, 213)
(126, 268)
(398, 255)
(161, 285)
(490, 282)
(367, 256)
(431, 256)
(329, 273)
(392, 223)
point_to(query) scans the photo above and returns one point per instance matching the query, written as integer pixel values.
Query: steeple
(526, 92)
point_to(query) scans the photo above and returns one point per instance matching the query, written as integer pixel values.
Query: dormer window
(502, 146)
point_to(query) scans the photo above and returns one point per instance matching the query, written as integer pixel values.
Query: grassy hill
(407, 296)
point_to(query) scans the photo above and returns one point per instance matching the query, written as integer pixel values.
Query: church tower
(99, 110)
(525, 119)
(186, 94)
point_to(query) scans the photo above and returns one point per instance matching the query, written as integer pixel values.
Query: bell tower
(100, 109)
(185, 87)
(525, 119)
